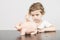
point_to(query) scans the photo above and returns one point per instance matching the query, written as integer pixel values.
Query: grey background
(13, 11)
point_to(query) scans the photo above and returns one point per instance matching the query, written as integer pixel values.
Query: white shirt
(44, 24)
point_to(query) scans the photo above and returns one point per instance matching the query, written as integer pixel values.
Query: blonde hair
(36, 6)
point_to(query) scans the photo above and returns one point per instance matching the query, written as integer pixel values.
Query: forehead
(36, 12)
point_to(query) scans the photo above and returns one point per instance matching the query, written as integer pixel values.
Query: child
(36, 12)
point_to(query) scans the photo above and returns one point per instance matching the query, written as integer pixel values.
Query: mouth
(36, 20)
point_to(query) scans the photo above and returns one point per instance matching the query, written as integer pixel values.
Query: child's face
(36, 15)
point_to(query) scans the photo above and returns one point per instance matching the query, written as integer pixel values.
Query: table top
(15, 35)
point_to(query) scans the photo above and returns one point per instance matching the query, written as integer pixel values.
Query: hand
(41, 30)
(18, 26)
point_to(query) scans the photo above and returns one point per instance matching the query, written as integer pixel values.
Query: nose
(35, 16)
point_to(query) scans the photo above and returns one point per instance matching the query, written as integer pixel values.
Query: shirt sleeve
(47, 24)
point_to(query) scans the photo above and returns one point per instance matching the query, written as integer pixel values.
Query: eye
(32, 15)
(37, 14)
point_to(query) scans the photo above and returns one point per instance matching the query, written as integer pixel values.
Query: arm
(50, 28)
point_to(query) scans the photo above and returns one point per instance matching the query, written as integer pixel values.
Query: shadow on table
(39, 36)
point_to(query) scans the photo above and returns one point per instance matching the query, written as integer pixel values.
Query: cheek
(32, 18)
(40, 16)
